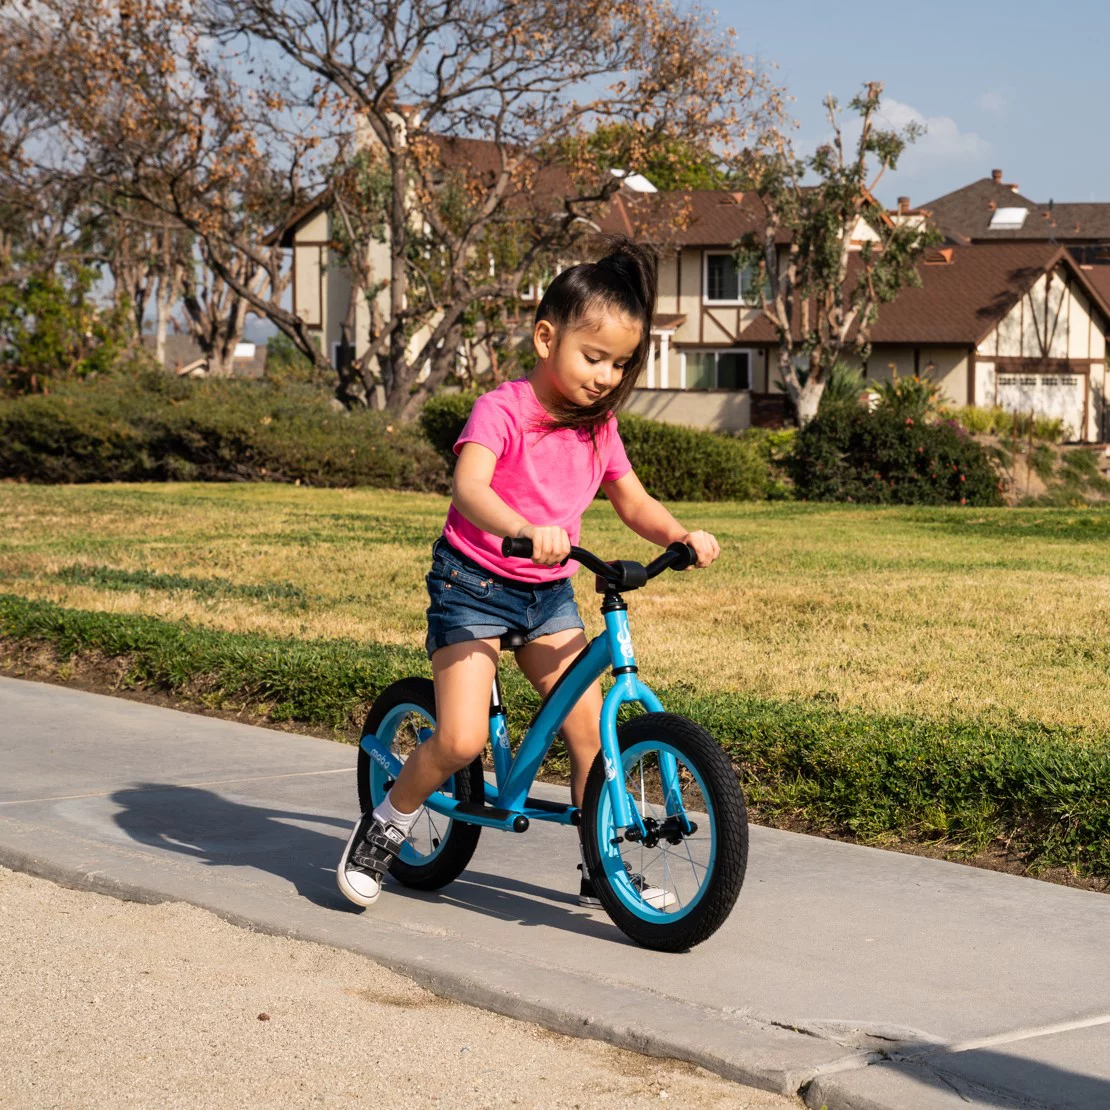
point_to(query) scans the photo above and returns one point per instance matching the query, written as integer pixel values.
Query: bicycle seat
(513, 640)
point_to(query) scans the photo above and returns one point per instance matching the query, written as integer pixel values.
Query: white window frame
(706, 299)
(716, 364)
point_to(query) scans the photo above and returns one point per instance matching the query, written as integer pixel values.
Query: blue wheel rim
(429, 826)
(702, 862)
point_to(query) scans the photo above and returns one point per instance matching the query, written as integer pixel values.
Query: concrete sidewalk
(862, 978)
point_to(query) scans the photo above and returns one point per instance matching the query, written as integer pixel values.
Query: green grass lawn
(921, 673)
(926, 611)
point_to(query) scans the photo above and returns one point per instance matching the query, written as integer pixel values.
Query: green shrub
(52, 330)
(843, 386)
(685, 464)
(880, 457)
(1000, 422)
(915, 397)
(442, 419)
(154, 427)
(673, 462)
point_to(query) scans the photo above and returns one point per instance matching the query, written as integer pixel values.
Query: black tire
(468, 785)
(726, 875)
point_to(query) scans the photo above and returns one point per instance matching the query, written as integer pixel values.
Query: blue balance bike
(662, 811)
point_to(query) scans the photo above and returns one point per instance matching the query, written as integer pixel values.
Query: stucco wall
(718, 410)
(690, 301)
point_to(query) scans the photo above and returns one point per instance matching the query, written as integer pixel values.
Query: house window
(342, 355)
(718, 369)
(725, 282)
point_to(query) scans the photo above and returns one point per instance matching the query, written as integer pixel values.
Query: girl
(530, 460)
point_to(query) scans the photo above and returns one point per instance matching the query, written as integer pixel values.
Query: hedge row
(154, 427)
(1044, 791)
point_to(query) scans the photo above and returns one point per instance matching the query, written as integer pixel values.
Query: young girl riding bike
(530, 460)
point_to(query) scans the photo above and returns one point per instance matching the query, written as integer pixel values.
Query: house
(992, 210)
(321, 286)
(1006, 315)
(1017, 323)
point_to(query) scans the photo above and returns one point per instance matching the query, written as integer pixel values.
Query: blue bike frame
(508, 802)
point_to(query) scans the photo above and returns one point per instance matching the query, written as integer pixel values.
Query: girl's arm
(473, 497)
(652, 520)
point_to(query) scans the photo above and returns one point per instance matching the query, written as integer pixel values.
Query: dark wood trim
(917, 362)
(738, 345)
(1073, 367)
(766, 369)
(709, 312)
(701, 298)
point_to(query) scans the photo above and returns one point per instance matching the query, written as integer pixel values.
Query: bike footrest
(470, 809)
(544, 806)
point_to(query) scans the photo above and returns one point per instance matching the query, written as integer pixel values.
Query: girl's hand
(550, 544)
(705, 545)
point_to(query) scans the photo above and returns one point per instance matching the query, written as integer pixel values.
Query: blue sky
(1021, 86)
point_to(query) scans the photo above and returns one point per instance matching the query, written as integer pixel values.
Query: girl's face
(585, 363)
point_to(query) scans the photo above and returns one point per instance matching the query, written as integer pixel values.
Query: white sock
(389, 814)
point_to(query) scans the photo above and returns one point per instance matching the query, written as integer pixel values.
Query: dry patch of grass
(927, 611)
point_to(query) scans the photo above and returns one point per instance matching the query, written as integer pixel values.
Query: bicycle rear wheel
(677, 887)
(438, 849)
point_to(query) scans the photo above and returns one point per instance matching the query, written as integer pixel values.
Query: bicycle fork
(627, 687)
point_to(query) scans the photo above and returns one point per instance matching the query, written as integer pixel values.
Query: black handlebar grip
(516, 547)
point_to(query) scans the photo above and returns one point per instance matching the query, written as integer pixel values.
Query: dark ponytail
(623, 281)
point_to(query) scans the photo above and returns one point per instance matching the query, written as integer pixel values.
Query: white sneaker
(370, 849)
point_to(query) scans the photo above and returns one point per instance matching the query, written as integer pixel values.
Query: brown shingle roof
(690, 217)
(966, 214)
(959, 302)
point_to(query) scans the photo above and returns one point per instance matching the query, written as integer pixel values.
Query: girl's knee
(458, 747)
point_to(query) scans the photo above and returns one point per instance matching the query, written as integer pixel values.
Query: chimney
(903, 205)
(996, 176)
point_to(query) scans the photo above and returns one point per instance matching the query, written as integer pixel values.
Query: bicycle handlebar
(621, 574)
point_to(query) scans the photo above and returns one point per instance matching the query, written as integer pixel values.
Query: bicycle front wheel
(676, 887)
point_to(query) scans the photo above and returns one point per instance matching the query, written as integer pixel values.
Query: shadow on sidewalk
(214, 830)
(219, 832)
(993, 1078)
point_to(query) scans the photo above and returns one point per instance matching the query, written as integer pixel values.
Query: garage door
(1056, 396)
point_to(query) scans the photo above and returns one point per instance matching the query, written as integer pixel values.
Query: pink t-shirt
(549, 478)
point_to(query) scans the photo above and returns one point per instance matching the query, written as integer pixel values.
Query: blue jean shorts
(468, 602)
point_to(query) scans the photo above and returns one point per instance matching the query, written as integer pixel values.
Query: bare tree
(465, 221)
(822, 295)
(171, 145)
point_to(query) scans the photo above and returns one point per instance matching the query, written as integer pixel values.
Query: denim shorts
(469, 602)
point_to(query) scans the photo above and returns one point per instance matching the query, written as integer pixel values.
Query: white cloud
(992, 101)
(942, 145)
(943, 154)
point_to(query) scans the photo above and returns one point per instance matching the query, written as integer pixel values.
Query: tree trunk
(807, 401)
(442, 363)
(163, 302)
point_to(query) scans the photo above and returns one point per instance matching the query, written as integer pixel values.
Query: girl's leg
(463, 675)
(543, 661)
